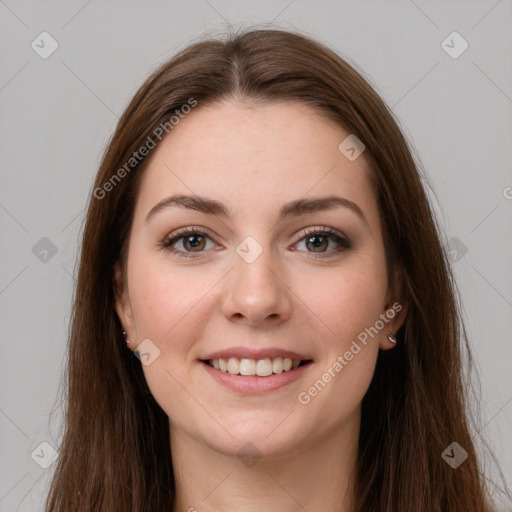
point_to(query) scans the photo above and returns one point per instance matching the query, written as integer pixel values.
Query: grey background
(57, 115)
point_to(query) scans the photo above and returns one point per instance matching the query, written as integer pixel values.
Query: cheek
(168, 305)
(165, 300)
(348, 305)
(344, 301)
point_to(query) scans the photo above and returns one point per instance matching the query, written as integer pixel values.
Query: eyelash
(330, 233)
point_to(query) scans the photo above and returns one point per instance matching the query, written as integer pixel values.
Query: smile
(261, 376)
(260, 367)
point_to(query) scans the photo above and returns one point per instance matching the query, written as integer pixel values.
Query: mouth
(263, 367)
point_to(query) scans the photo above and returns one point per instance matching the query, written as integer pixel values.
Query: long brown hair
(115, 451)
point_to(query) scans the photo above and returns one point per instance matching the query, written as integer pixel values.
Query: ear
(395, 310)
(398, 311)
(122, 302)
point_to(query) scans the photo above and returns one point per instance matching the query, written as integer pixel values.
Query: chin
(255, 441)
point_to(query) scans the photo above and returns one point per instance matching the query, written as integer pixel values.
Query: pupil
(194, 243)
(319, 242)
(313, 238)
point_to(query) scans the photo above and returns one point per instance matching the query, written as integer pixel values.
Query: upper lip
(248, 353)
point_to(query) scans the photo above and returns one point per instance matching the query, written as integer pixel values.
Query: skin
(254, 159)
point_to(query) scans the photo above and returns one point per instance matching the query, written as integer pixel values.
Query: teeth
(233, 365)
(264, 367)
(247, 367)
(260, 367)
(277, 365)
(223, 365)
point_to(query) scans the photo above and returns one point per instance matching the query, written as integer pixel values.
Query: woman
(264, 317)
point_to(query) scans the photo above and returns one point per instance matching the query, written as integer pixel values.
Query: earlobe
(392, 338)
(401, 314)
(399, 311)
(122, 304)
(388, 340)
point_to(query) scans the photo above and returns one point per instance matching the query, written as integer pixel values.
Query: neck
(318, 476)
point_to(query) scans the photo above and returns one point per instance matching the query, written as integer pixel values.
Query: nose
(256, 293)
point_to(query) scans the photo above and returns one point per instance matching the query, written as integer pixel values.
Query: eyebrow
(291, 209)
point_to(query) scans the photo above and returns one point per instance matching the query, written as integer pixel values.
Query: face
(253, 272)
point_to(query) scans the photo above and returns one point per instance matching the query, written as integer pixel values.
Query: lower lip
(253, 384)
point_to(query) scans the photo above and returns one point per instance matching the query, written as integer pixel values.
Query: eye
(190, 239)
(318, 240)
(190, 242)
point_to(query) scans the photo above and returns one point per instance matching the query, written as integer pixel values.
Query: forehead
(255, 158)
